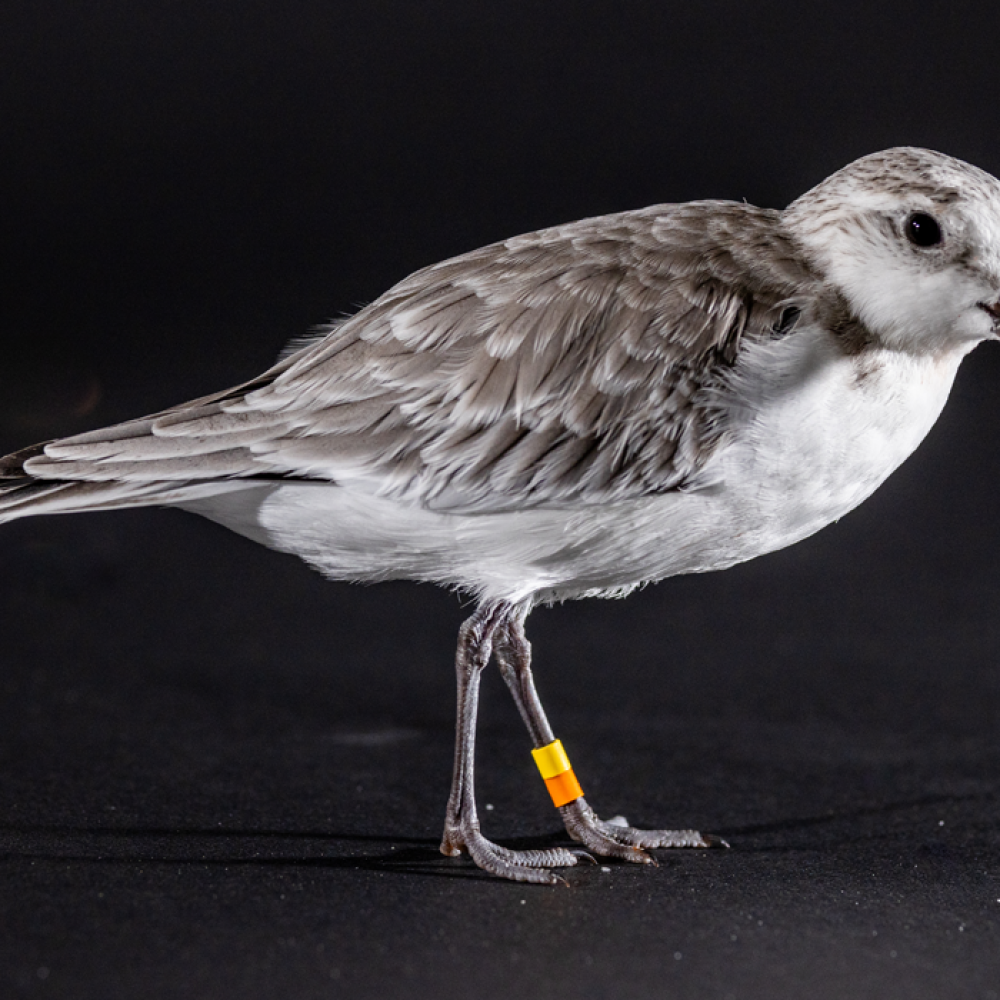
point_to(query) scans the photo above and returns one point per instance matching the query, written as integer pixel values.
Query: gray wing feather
(565, 365)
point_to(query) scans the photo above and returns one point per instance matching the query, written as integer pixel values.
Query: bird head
(911, 239)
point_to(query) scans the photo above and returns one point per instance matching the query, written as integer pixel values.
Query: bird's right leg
(612, 838)
(461, 828)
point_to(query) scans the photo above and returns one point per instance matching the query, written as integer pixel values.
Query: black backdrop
(221, 776)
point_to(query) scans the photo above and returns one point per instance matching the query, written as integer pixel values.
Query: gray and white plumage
(591, 407)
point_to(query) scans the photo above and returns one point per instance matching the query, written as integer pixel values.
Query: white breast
(817, 431)
(813, 432)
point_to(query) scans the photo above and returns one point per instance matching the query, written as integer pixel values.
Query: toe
(615, 838)
(518, 866)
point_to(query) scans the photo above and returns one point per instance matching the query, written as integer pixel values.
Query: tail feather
(26, 491)
(27, 496)
(12, 465)
(132, 465)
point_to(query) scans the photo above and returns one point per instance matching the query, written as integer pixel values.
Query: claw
(711, 840)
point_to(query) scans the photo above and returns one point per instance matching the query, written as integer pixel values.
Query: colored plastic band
(554, 767)
(563, 788)
(551, 760)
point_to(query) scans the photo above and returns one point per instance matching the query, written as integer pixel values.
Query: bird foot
(616, 839)
(520, 866)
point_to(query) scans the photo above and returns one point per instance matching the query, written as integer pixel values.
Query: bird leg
(461, 828)
(611, 839)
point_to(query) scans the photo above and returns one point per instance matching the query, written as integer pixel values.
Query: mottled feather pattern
(558, 366)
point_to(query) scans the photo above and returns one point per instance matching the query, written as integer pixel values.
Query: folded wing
(568, 365)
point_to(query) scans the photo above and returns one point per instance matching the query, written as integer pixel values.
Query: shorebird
(579, 411)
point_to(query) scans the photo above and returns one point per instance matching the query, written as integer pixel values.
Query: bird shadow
(125, 845)
(269, 848)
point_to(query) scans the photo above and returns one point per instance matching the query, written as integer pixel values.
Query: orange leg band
(564, 788)
(554, 767)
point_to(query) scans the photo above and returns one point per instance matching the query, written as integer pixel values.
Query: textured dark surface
(222, 777)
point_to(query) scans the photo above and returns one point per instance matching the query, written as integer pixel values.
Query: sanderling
(581, 410)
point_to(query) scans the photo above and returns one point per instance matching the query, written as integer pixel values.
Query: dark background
(221, 776)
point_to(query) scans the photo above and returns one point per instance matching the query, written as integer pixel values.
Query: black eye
(922, 230)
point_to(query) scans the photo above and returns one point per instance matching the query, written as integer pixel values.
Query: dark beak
(993, 308)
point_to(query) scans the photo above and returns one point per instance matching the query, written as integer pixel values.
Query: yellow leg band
(551, 760)
(554, 767)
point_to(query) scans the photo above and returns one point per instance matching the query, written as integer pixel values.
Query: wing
(567, 365)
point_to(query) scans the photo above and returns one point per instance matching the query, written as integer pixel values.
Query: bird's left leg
(461, 828)
(611, 839)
